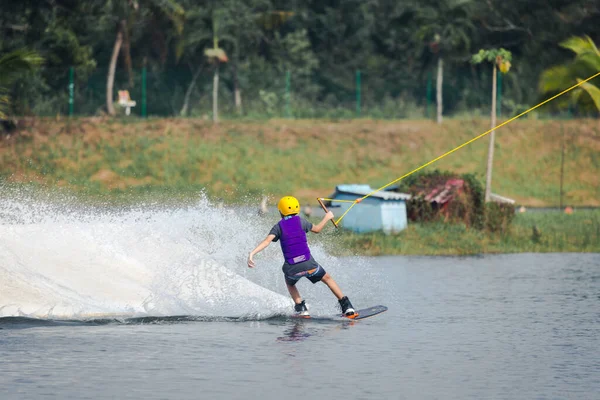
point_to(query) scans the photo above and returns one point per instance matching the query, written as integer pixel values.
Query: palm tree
(449, 27)
(239, 25)
(500, 59)
(127, 13)
(216, 56)
(11, 66)
(585, 64)
(204, 27)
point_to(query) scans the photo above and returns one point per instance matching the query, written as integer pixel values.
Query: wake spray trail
(61, 261)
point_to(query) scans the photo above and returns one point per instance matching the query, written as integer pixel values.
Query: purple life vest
(293, 240)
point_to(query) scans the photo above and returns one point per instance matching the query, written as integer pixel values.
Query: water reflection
(301, 329)
(295, 332)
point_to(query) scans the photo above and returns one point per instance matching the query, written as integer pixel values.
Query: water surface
(504, 327)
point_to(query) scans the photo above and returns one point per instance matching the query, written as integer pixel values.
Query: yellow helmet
(288, 205)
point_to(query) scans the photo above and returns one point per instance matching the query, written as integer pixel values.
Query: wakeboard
(360, 314)
(367, 312)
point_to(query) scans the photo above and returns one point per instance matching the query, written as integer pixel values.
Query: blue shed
(382, 210)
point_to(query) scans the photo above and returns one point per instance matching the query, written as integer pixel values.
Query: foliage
(445, 26)
(216, 54)
(467, 205)
(322, 43)
(500, 57)
(539, 232)
(498, 216)
(585, 64)
(12, 66)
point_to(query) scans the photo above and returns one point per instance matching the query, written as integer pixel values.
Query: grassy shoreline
(237, 162)
(308, 158)
(543, 232)
(531, 232)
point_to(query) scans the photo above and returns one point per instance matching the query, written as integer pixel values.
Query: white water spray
(61, 262)
(59, 259)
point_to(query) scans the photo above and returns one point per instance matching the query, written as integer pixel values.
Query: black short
(314, 275)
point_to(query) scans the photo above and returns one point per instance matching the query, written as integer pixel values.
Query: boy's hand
(259, 248)
(329, 215)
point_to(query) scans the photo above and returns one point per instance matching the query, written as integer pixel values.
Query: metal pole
(358, 93)
(562, 164)
(288, 79)
(144, 111)
(71, 90)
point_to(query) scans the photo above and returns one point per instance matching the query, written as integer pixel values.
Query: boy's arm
(258, 249)
(319, 227)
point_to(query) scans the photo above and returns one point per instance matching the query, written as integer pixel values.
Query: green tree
(448, 27)
(530, 31)
(216, 56)
(500, 59)
(206, 26)
(58, 32)
(240, 27)
(12, 65)
(340, 38)
(394, 45)
(586, 63)
(251, 20)
(145, 17)
(197, 34)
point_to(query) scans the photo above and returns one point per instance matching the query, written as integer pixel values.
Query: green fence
(277, 94)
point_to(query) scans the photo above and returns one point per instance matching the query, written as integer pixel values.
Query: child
(291, 232)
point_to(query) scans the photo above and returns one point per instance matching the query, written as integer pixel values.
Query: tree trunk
(188, 93)
(440, 78)
(126, 50)
(236, 89)
(490, 160)
(111, 72)
(216, 94)
(238, 99)
(236, 82)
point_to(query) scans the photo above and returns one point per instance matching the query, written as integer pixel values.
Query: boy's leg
(294, 293)
(345, 304)
(299, 305)
(328, 280)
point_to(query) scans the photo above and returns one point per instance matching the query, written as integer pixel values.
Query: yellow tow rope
(355, 202)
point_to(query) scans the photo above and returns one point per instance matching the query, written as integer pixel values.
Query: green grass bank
(172, 161)
(238, 159)
(531, 232)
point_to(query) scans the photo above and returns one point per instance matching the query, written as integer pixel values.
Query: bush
(499, 216)
(467, 206)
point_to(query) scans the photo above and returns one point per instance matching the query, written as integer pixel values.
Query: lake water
(79, 292)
